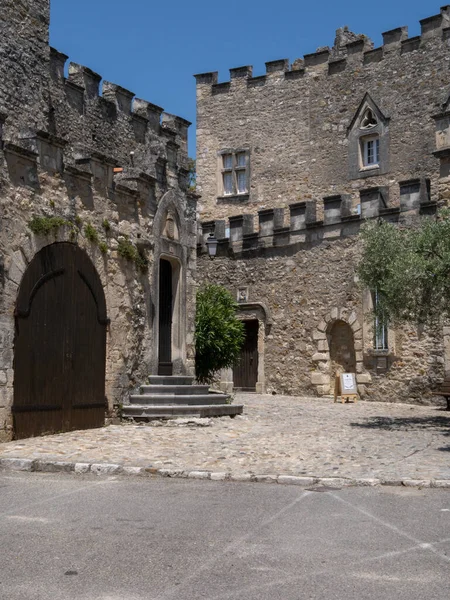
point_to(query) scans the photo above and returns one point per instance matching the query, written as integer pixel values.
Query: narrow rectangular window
(227, 161)
(240, 159)
(241, 181)
(371, 152)
(228, 182)
(380, 338)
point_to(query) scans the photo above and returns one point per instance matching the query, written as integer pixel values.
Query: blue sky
(154, 48)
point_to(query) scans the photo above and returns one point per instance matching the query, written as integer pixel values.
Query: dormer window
(368, 137)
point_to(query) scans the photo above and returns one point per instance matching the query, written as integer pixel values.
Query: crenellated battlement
(86, 80)
(349, 51)
(311, 222)
(95, 126)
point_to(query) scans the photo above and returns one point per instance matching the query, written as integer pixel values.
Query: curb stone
(54, 466)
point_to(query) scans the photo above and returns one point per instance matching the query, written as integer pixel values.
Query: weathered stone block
(319, 379)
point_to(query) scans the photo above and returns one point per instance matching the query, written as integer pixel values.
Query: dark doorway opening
(60, 344)
(165, 366)
(342, 348)
(245, 372)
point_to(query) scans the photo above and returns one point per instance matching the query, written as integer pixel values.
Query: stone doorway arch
(256, 312)
(342, 347)
(60, 344)
(339, 339)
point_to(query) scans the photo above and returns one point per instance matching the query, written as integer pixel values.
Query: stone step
(174, 389)
(170, 380)
(158, 412)
(178, 399)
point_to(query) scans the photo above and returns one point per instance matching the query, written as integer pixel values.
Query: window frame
(236, 168)
(364, 151)
(380, 330)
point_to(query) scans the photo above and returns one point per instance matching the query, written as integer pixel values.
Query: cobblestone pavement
(275, 435)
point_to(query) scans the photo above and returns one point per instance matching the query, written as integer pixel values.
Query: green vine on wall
(126, 249)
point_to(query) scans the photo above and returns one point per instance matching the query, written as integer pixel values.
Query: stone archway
(60, 344)
(258, 314)
(173, 319)
(342, 347)
(338, 324)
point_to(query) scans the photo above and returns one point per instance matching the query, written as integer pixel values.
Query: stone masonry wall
(290, 245)
(109, 164)
(306, 291)
(295, 120)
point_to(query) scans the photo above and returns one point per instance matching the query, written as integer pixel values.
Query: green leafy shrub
(126, 249)
(219, 334)
(106, 225)
(46, 225)
(141, 261)
(91, 233)
(103, 247)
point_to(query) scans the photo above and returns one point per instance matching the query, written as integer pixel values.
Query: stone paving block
(219, 476)
(17, 464)
(441, 483)
(242, 477)
(48, 466)
(133, 471)
(366, 481)
(417, 483)
(82, 468)
(292, 480)
(105, 469)
(266, 478)
(198, 475)
(335, 481)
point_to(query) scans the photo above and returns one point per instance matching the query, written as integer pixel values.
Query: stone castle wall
(296, 120)
(105, 163)
(290, 246)
(304, 277)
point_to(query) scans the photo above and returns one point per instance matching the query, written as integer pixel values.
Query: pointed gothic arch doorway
(60, 344)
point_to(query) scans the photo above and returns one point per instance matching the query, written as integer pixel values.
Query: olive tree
(410, 270)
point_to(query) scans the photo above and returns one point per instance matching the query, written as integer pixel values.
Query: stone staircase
(168, 396)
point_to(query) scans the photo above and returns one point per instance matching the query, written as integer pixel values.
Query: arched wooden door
(60, 344)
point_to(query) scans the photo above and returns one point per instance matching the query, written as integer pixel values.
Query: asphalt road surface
(66, 537)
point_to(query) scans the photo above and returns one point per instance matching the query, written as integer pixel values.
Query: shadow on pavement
(439, 424)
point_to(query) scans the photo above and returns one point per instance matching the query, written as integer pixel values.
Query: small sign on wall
(345, 386)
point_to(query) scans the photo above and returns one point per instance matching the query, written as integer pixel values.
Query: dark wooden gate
(245, 373)
(165, 318)
(60, 344)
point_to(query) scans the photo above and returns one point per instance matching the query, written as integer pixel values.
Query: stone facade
(290, 164)
(113, 169)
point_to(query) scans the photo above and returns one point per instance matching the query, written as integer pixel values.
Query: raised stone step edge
(195, 390)
(80, 468)
(138, 411)
(170, 380)
(182, 400)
